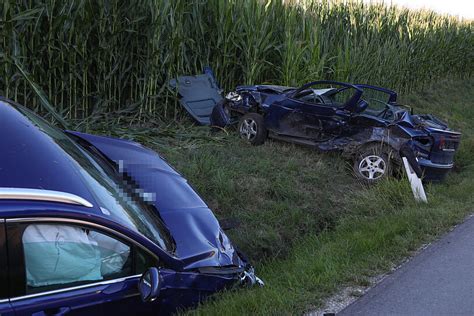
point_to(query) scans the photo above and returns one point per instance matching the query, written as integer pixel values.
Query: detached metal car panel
(204, 92)
(84, 217)
(343, 117)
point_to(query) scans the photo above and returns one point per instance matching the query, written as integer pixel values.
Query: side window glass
(144, 261)
(311, 96)
(307, 96)
(59, 256)
(341, 97)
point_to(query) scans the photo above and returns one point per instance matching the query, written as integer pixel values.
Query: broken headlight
(249, 278)
(233, 96)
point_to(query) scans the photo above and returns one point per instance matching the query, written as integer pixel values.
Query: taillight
(442, 143)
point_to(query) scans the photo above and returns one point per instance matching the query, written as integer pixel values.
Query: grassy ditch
(302, 218)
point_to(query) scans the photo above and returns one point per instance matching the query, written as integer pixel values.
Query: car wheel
(373, 163)
(252, 128)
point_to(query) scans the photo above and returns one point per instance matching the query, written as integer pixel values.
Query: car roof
(32, 160)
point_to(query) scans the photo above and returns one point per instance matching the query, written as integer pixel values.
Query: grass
(306, 223)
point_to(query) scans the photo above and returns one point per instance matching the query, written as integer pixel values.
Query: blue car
(96, 225)
(363, 122)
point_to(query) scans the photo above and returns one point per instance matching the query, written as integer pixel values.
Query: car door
(5, 306)
(306, 116)
(61, 267)
(198, 95)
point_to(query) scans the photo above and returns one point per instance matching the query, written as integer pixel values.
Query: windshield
(113, 193)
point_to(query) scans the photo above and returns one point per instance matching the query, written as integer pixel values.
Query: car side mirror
(150, 285)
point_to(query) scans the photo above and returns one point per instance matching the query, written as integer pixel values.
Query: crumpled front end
(200, 241)
(182, 290)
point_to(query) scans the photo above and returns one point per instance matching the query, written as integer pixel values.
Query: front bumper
(433, 171)
(183, 290)
(242, 276)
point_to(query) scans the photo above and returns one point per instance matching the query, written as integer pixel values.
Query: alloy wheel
(248, 129)
(372, 167)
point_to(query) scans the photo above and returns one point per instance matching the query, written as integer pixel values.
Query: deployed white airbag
(61, 254)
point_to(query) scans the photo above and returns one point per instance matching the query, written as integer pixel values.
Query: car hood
(200, 241)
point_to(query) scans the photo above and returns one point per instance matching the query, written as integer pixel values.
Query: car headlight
(233, 96)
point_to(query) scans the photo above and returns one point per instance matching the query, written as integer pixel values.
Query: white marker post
(415, 183)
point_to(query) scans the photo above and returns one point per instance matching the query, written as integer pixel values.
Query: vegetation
(93, 58)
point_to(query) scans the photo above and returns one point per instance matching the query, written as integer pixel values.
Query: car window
(376, 106)
(59, 256)
(377, 100)
(111, 191)
(309, 96)
(342, 95)
(144, 261)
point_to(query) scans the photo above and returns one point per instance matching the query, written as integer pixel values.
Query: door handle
(59, 311)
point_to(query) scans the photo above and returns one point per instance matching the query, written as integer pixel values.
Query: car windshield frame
(116, 195)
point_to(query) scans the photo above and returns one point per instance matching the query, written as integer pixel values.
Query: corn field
(103, 57)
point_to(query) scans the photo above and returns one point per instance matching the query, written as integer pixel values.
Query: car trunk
(444, 146)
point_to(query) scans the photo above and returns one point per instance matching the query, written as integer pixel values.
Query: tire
(373, 163)
(252, 129)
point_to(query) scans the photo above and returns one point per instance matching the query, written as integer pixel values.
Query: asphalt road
(437, 281)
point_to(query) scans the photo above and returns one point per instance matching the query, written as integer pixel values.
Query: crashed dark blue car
(96, 225)
(363, 122)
